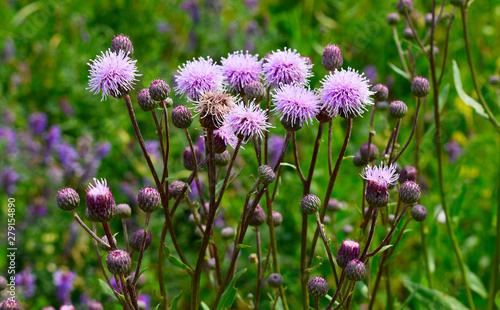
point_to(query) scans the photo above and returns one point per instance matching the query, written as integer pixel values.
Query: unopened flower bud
(222, 159)
(159, 90)
(118, 262)
(369, 152)
(145, 101)
(266, 174)
(277, 218)
(335, 205)
(332, 58)
(188, 159)
(377, 195)
(181, 117)
(105, 239)
(494, 80)
(310, 204)
(275, 280)
(381, 92)
(123, 211)
(252, 258)
(355, 270)
(393, 18)
(405, 6)
(168, 102)
(408, 33)
(419, 213)
(68, 199)
(149, 199)
(317, 287)
(258, 217)
(255, 91)
(100, 202)
(140, 282)
(347, 229)
(348, 251)
(407, 173)
(135, 240)
(358, 160)
(122, 42)
(428, 19)
(409, 192)
(175, 189)
(227, 233)
(398, 109)
(420, 87)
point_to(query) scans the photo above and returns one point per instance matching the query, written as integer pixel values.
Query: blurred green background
(46, 46)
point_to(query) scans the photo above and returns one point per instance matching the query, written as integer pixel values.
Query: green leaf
(497, 300)
(204, 306)
(106, 289)
(244, 246)
(227, 298)
(461, 93)
(175, 301)
(443, 97)
(174, 260)
(289, 165)
(433, 299)
(385, 247)
(399, 71)
(475, 283)
(218, 187)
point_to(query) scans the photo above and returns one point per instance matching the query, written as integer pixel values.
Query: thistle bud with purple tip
(123, 211)
(145, 101)
(275, 280)
(418, 213)
(332, 57)
(100, 202)
(348, 251)
(118, 262)
(68, 199)
(135, 240)
(149, 199)
(188, 159)
(397, 109)
(355, 270)
(266, 174)
(182, 117)
(409, 192)
(420, 87)
(407, 173)
(123, 43)
(381, 92)
(175, 189)
(317, 287)
(159, 90)
(310, 204)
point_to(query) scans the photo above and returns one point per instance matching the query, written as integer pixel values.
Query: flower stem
(426, 256)
(90, 232)
(143, 248)
(259, 267)
(415, 122)
(327, 248)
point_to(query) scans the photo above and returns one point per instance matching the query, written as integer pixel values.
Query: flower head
(112, 74)
(296, 103)
(226, 134)
(213, 107)
(286, 67)
(239, 69)
(247, 121)
(345, 92)
(101, 205)
(198, 76)
(382, 175)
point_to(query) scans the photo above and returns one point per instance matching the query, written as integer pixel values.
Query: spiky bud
(407, 173)
(381, 92)
(159, 90)
(355, 270)
(122, 42)
(420, 87)
(310, 204)
(188, 159)
(348, 251)
(181, 117)
(332, 58)
(105, 239)
(317, 287)
(369, 152)
(258, 217)
(222, 159)
(405, 6)
(3, 283)
(358, 160)
(494, 80)
(100, 202)
(377, 195)
(123, 211)
(419, 213)
(227, 233)
(10, 304)
(68, 199)
(393, 18)
(149, 199)
(135, 239)
(290, 123)
(275, 280)
(255, 91)
(175, 189)
(397, 109)
(145, 101)
(266, 174)
(409, 192)
(118, 262)
(277, 218)
(408, 33)
(428, 19)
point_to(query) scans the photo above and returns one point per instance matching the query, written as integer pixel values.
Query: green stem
(426, 255)
(496, 256)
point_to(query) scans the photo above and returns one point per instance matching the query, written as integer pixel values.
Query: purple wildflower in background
(66, 107)
(68, 157)
(163, 27)
(346, 92)
(454, 150)
(113, 74)
(198, 76)
(382, 175)
(63, 280)
(247, 121)
(9, 136)
(53, 137)
(130, 191)
(8, 180)
(240, 68)
(275, 145)
(103, 149)
(192, 8)
(371, 74)
(296, 103)
(285, 67)
(227, 135)
(145, 300)
(27, 280)
(37, 122)
(153, 147)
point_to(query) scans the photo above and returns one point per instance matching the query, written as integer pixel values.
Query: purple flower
(145, 300)
(227, 135)
(129, 190)
(38, 122)
(103, 150)
(63, 280)
(53, 137)
(296, 103)
(163, 27)
(8, 180)
(275, 145)
(68, 158)
(346, 92)
(66, 107)
(153, 147)
(192, 8)
(27, 280)
(112, 74)
(285, 67)
(198, 76)
(382, 175)
(9, 136)
(240, 68)
(454, 150)
(247, 121)
(371, 73)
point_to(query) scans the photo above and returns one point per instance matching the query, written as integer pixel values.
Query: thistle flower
(348, 251)
(295, 104)
(112, 74)
(225, 135)
(198, 76)
(382, 175)
(118, 262)
(135, 240)
(213, 106)
(332, 57)
(345, 92)
(100, 202)
(148, 199)
(247, 121)
(285, 67)
(317, 287)
(239, 69)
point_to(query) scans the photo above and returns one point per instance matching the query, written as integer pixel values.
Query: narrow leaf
(385, 247)
(461, 93)
(443, 97)
(475, 283)
(175, 301)
(399, 71)
(106, 289)
(244, 246)
(227, 298)
(177, 262)
(204, 306)
(433, 299)
(289, 165)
